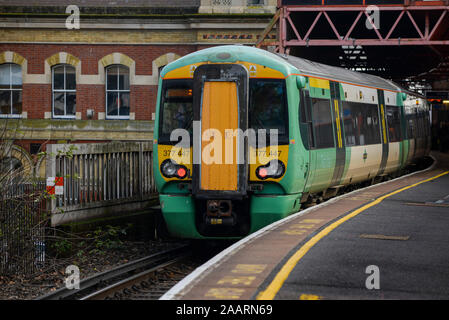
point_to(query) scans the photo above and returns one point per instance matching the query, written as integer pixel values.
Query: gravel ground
(52, 275)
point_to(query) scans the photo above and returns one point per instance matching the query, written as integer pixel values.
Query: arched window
(10, 89)
(64, 91)
(117, 92)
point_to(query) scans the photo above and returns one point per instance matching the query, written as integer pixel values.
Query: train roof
(340, 74)
(287, 64)
(312, 68)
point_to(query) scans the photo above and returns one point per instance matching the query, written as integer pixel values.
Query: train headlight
(171, 169)
(273, 169)
(168, 168)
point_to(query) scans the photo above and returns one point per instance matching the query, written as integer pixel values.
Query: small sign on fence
(55, 185)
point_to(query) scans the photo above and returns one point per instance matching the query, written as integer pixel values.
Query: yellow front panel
(219, 113)
(254, 71)
(183, 72)
(258, 71)
(261, 156)
(179, 155)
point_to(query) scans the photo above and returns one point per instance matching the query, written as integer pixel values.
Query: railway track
(133, 278)
(147, 278)
(149, 285)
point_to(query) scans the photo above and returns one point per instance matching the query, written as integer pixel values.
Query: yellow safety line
(283, 274)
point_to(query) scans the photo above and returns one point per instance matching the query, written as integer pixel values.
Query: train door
(220, 108)
(384, 131)
(403, 146)
(321, 122)
(306, 130)
(340, 158)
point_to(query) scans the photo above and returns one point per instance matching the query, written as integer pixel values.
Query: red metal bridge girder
(429, 36)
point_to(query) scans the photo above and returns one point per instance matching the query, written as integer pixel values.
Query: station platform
(387, 241)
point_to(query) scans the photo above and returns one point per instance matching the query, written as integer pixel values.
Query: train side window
(410, 127)
(409, 122)
(322, 123)
(361, 122)
(423, 124)
(417, 125)
(305, 120)
(394, 123)
(351, 124)
(371, 124)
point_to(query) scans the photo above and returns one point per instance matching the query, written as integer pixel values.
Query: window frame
(65, 91)
(11, 89)
(317, 137)
(282, 139)
(398, 127)
(118, 91)
(411, 126)
(185, 83)
(305, 119)
(364, 129)
(250, 4)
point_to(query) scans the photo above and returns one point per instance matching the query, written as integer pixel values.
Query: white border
(202, 271)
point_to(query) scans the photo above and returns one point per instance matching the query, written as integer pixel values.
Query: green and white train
(335, 128)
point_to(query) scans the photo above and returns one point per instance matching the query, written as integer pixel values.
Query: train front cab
(331, 134)
(205, 195)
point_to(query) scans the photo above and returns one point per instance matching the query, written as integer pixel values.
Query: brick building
(98, 82)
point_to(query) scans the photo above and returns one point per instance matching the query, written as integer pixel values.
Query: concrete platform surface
(387, 241)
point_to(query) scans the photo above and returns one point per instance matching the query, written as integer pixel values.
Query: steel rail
(152, 262)
(126, 283)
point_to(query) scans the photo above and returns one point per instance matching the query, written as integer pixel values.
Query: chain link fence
(22, 227)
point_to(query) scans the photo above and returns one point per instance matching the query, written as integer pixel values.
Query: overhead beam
(423, 38)
(268, 29)
(358, 8)
(368, 42)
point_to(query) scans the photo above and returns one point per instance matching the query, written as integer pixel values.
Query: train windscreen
(268, 107)
(176, 108)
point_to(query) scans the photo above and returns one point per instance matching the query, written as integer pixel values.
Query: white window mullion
(107, 98)
(53, 91)
(65, 92)
(10, 88)
(118, 91)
